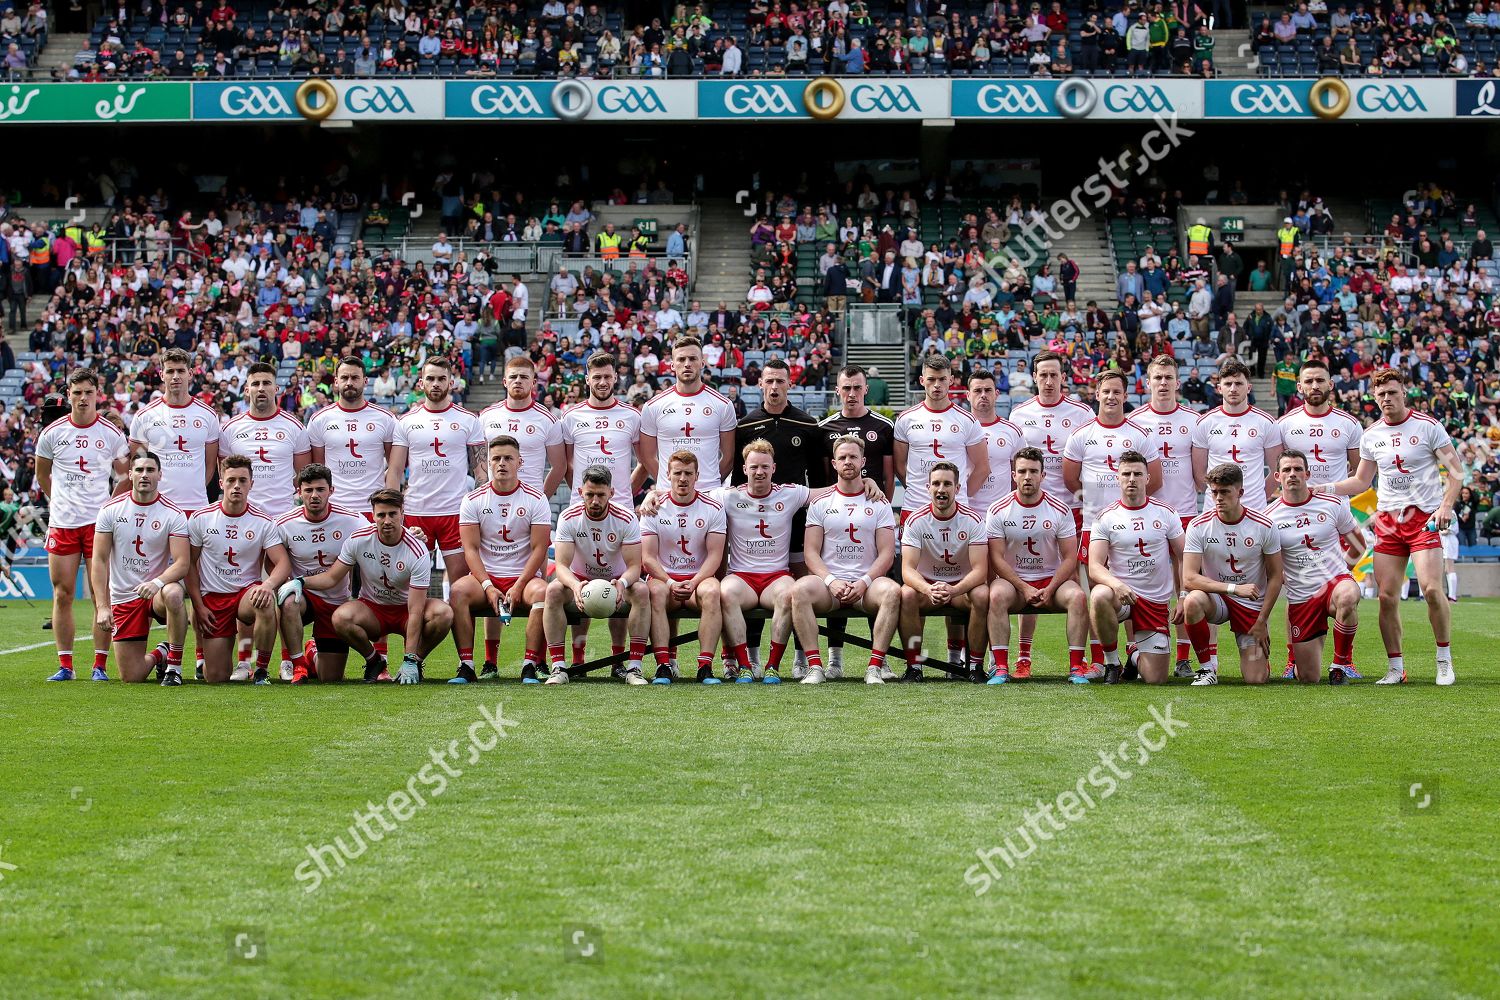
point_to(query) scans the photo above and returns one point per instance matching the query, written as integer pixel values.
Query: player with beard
(944, 563)
(1238, 434)
(352, 437)
(682, 549)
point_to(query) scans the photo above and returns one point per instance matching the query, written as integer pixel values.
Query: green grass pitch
(752, 841)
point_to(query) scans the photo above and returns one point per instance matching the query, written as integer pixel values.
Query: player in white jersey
(314, 534)
(1420, 479)
(184, 431)
(1171, 424)
(850, 546)
(352, 437)
(1318, 584)
(394, 573)
(1033, 550)
(436, 446)
(689, 417)
(936, 431)
(539, 433)
(1136, 545)
(75, 457)
(140, 559)
(682, 549)
(1231, 572)
(596, 540)
(1046, 421)
(506, 528)
(274, 439)
(944, 564)
(1002, 439)
(231, 542)
(1239, 434)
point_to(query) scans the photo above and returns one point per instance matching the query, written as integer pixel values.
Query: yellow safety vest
(74, 233)
(43, 253)
(609, 245)
(1286, 236)
(94, 241)
(1198, 237)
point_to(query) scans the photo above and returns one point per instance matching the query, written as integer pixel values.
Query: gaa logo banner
(1004, 99)
(266, 101)
(1329, 99)
(510, 99)
(366, 100)
(896, 99)
(751, 99)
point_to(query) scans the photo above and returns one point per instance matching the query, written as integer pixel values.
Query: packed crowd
(1380, 39)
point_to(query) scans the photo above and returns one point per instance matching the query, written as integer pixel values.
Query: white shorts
(1450, 545)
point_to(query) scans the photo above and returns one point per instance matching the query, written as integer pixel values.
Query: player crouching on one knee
(596, 540)
(682, 547)
(849, 545)
(945, 564)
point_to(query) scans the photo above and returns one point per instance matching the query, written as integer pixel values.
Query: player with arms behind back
(351, 437)
(682, 548)
(1238, 434)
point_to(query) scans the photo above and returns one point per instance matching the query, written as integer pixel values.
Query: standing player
(231, 541)
(506, 527)
(1238, 434)
(1171, 425)
(1231, 572)
(689, 417)
(1420, 479)
(1318, 584)
(944, 563)
(1046, 421)
(850, 547)
(314, 534)
(596, 540)
(140, 559)
(74, 459)
(1034, 555)
(394, 573)
(1091, 465)
(1002, 439)
(1134, 542)
(352, 436)
(439, 443)
(274, 440)
(682, 548)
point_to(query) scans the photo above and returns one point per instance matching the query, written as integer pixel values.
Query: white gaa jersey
(232, 547)
(682, 531)
(1034, 535)
(1002, 440)
(1234, 553)
(1048, 428)
(270, 444)
(1326, 441)
(437, 457)
(933, 436)
(533, 427)
(1173, 432)
(1406, 456)
(82, 460)
(387, 573)
(607, 436)
(314, 546)
(354, 444)
(943, 544)
(178, 435)
(850, 524)
(1139, 550)
(1310, 548)
(693, 423)
(1097, 447)
(598, 546)
(142, 541)
(1239, 439)
(760, 528)
(505, 521)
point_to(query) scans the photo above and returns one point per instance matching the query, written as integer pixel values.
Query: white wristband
(159, 584)
(830, 580)
(1182, 595)
(1231, 590)
(865, 579)
(489, 584)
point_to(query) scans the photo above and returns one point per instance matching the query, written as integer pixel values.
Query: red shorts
(1042, 584)
(1187, 519)
(758, 582)
(1240, 617)
(219, 616)
(682, 577)
(1078, 520)
(132, 620)
(1403, 534)
(1083, 547)
(1147, 616)
(392, 618)
(441, 531)
(1308, 620)
(320, 613)
(71, 541)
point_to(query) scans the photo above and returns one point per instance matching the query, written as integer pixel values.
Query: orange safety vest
(42, 254)
(609, 245)
(1198, 239)
(1287, 239)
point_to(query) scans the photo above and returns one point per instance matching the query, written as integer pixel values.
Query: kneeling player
(944, 564)
(314, 534)
(231, 541)
(506, 527)
(394, 573)
(1134, 544)
(1231, 572)
(1034, 555)
(596, 540)
(141, 555)
(849, 545)
(682, 547)
(1318, 585)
